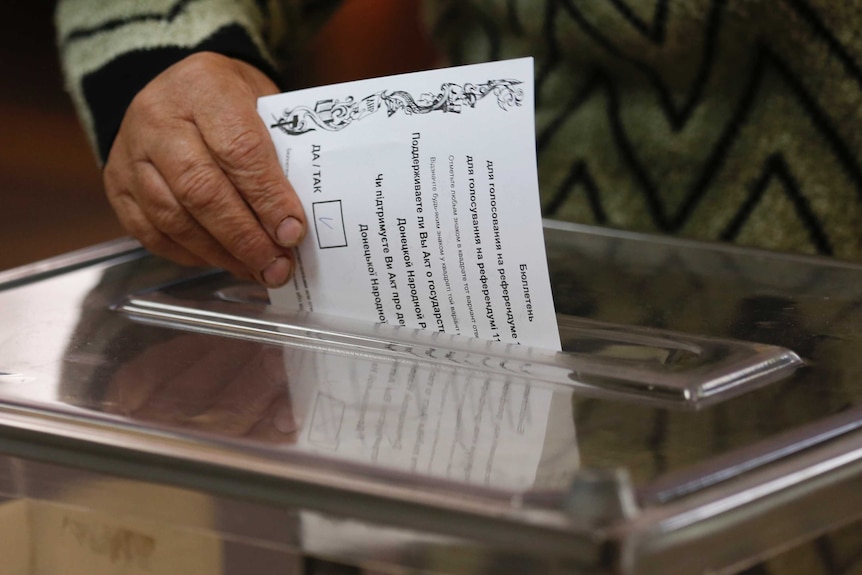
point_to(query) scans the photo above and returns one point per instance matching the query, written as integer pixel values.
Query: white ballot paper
(422, 201)
(423, 207)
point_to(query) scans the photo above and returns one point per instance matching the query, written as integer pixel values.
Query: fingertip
(277, 272)
(289, 232)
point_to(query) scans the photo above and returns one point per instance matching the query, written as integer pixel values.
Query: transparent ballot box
(703, 415)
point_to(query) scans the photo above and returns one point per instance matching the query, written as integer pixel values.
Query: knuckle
(117, 176)
(249, 246)
(198, 185)
(199, 63)
(242, 149)
(114, 188)
(111, 175)
(146, 106)
(173, 221)
(277, 204)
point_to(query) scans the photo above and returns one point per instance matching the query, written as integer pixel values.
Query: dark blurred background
(50, 187)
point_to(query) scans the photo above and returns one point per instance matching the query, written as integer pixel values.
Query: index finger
(241, 144)
(204, 190)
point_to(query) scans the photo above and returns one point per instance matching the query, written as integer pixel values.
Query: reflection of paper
(479, 429)
(422, 200)
(489, 430)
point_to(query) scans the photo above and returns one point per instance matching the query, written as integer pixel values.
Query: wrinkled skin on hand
(194, 176)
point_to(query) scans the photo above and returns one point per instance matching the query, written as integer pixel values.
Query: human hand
(194, 176)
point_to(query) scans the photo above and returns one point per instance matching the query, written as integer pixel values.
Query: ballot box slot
(598, 359)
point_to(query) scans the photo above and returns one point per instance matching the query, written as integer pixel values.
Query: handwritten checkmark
(324, 220)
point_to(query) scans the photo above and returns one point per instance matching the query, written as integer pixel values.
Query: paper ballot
(422, 202)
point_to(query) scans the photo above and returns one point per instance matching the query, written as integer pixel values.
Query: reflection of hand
(194, 176)
(226, 386)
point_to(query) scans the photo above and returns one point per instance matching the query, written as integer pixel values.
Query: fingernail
(277, 272)
(288, 232)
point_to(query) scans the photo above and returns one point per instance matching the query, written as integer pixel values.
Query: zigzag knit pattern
(714, 119)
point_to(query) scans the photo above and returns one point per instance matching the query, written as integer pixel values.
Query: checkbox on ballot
(329, 224)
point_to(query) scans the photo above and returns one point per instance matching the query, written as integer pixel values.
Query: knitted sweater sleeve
(110, 50)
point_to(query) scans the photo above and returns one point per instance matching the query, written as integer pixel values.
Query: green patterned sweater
(732, 120)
